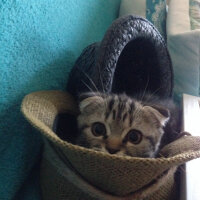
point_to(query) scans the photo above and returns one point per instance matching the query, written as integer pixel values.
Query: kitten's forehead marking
(119, 107)
(132, 107)
(124, 117)
(110, 104)
(114, 114)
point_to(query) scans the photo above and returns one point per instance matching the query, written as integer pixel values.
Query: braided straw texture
(115, 61)
(69, 170)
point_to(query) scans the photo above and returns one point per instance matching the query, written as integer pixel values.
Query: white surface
(178, 20)
(184, 48)
(191, 123)
(191, 114)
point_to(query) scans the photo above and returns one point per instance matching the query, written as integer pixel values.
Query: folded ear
(89, 100)
(86, 95)
(161, 114)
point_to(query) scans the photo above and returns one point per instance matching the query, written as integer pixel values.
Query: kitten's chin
(102, 149)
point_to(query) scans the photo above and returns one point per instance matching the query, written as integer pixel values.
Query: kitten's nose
(112, 151)
(113, 144)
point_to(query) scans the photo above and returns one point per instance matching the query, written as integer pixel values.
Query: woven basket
(72, 172)
(131, 58)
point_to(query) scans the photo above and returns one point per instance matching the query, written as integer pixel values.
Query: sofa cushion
(184, 49)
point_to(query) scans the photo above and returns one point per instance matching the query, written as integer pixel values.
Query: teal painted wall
(39, 43)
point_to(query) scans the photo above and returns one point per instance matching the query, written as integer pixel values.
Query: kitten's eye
(98, 129)
(134, 136)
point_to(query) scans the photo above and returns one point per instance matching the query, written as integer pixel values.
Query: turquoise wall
(39, 43)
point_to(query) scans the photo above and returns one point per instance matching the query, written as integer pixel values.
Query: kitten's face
(120, 125)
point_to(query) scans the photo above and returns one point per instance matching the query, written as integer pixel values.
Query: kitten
(118, 124)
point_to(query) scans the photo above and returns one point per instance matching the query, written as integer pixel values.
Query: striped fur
(123, 118)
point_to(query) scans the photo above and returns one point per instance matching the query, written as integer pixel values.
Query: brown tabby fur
(121, 114)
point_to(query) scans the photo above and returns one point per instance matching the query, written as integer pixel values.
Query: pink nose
(113, 144)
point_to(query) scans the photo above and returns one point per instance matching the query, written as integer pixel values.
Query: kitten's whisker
(106, 103)
(145, 89)
(92, 82)
(153, 93)
(99, 93)
(101, 79)
(88, 87)
(137, 111)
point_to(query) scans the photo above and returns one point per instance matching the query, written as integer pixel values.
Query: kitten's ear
(162, 114)
(89, 99)
(86, 95)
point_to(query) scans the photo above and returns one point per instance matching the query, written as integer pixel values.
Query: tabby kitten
(118, 124)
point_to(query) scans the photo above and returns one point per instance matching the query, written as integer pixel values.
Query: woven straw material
(59, 181)
(132, 178)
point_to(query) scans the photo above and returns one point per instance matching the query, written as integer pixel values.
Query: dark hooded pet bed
(131, 58)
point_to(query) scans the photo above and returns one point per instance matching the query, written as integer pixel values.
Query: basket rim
(48, 133)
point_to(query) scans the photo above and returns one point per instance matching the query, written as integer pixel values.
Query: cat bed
(131, 58)
(69, 171)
